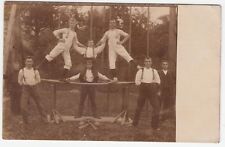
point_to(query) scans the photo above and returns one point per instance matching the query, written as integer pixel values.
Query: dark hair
(147, 58)
(28, 57)
(164, 60)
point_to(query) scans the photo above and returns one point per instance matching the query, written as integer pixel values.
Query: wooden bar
(87, 118)
(94, 84)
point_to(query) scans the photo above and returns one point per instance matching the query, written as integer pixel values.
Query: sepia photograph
(107, 71)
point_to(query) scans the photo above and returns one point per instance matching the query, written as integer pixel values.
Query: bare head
(112, 24)
(90, 43)
(165, 65)
(29, 62)
(148, 62)
(72, 23)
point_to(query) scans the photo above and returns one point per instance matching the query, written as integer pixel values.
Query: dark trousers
(148, 92)
(15, 96)
(87, 91)
(167, 100)
(27, 93)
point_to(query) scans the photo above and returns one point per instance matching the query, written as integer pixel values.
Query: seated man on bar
(148, 81)
(88, 75)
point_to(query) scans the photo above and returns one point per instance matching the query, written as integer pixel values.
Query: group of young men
(151, 82)
(67, 39)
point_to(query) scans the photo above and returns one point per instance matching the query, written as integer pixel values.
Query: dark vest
(167, 81)
(83, 75)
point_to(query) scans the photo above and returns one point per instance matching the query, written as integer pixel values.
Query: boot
(64, 75)
(113, 74)
(133, 64)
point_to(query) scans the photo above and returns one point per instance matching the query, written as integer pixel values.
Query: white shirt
(67, 34)
(113, 36)
(164, 71)
(90, 53)
(28, 77)
(89, 76)
(147, 76)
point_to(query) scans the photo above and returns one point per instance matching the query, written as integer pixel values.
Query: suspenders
(142, 74)
(24, 76)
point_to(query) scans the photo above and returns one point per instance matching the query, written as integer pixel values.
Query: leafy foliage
(33, 17)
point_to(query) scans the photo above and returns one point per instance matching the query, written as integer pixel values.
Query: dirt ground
(67, 104)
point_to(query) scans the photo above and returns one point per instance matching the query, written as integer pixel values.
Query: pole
(54, 96)
(107, 99)
(91, 23)
(130, 29)
(103, 55)
(110, 13)
(148, 49)
(129, 47)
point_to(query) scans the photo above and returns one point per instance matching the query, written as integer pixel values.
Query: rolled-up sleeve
(138, 78)
(58, 32)
(37, 77)
(75, 77)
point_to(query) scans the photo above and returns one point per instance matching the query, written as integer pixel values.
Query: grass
(67, 104)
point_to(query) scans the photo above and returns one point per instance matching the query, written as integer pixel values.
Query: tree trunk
(9, 37)
(172, 52)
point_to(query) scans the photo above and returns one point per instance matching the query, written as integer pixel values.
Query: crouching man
(88, 75)
(28, 78)
(148, 81)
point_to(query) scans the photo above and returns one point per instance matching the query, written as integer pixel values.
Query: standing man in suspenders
(148, 81)
(28, 78)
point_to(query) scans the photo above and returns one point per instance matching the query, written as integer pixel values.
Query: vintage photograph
(89, 71)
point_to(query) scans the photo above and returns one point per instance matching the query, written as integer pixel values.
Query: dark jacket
(168, 80)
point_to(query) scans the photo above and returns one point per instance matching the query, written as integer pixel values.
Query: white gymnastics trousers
(60, 48)
(114, 51)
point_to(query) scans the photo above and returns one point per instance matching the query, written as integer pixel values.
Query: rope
(79, 83)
